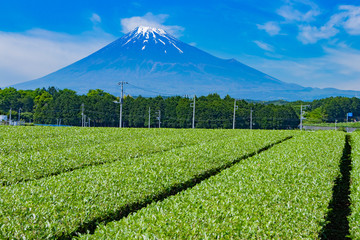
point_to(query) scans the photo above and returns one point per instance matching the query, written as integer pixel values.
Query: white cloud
(272, 28)
(351, 17)
(35, 53)
(95, 18)
(150, 20)
(291, 14)
(264, 46)
(309, 34)
(348, 18)
(338, 68)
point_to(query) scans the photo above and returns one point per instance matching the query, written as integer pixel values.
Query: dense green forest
(48, 106)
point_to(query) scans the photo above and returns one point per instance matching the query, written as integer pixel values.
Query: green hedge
(354, 218)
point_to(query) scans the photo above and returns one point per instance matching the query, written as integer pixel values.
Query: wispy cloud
(37, 52)
(347, 58)
(264, 46)
(291, 13)
(351, 16)
(309, 34)
(272, 28)
(150, 20)
(95, 18)
(338, 68)
(347, 18)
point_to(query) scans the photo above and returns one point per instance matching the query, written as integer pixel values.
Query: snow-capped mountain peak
(144, 37)
(149, 30)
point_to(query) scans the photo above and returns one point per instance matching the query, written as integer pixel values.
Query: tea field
(109, 183)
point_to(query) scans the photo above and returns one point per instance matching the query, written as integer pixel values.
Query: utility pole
(251, 124)
(19, 115)
(235, 108)
(335, 123)
(121, 100)
(193, 106)
(82, 114)
(159, 118)
(149, 118)
(302, 115)
(10, 116)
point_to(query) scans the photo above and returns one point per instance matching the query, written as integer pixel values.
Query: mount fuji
(155, 63)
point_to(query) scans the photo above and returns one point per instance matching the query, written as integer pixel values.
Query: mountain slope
(154, 62)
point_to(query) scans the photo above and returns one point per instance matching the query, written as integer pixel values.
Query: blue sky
(312, 43)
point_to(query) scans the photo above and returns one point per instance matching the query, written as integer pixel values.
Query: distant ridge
(154, 62)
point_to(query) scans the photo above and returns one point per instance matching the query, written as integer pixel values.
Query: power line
(188, 118)
(147, 90)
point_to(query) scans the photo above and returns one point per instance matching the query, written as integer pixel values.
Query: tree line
(48, 106)
(329, 110)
